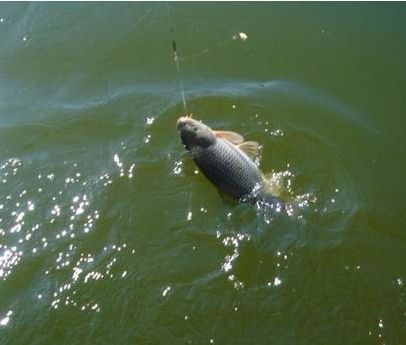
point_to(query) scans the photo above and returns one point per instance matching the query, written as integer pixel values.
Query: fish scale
(228, 168)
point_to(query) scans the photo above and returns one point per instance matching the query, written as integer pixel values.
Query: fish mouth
(194, 133)
(183, 121)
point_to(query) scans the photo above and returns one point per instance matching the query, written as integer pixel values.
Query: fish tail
(271, 202)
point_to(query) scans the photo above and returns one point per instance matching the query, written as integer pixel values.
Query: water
(108, 234)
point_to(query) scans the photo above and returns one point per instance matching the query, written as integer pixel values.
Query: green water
(109, 236)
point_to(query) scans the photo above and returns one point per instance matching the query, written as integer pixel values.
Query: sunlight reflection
(4, 321)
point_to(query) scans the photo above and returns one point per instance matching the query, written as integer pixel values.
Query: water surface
(109, 234)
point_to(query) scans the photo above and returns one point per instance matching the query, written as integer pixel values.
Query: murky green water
(109, 236)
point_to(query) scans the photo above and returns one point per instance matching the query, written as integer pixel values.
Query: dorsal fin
(232, 137)
(250, 148)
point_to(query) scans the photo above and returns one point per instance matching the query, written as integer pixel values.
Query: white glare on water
(166, 291)
(6, 319)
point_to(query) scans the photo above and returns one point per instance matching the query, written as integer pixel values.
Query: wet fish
(227, 161)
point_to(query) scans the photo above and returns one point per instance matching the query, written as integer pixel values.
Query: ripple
(46, 214)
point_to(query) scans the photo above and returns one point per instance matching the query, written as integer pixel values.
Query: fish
(227, 161)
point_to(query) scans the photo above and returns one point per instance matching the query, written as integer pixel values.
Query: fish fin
(269, 183)
(227, 198)
(250, 148)
(232, 137)
(268, 176)
(274, 186)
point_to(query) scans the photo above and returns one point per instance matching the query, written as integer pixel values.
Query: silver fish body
(227, 166)
(229, 169)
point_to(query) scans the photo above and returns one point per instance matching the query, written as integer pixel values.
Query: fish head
(194, 133)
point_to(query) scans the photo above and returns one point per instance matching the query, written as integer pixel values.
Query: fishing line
(238, 36)
(176, 60)
(207, 50)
